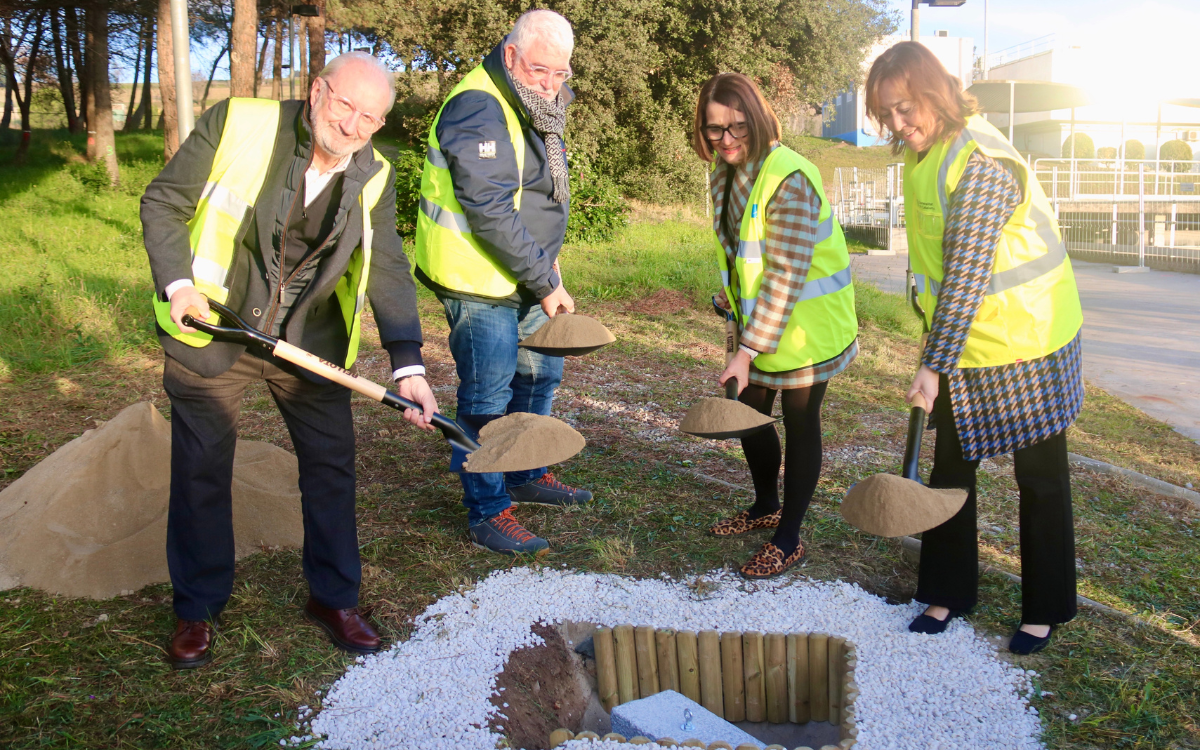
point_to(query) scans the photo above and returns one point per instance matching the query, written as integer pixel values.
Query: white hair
(339, 62)
(544, 26)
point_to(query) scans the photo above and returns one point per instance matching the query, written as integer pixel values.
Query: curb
(1141, 480)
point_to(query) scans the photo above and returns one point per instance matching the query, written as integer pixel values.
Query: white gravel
(432, 692)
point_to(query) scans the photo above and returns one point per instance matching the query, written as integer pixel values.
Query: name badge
(487, 149)
(754, 211)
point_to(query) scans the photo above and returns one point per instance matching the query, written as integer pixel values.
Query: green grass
(76, 285)
(69, 680)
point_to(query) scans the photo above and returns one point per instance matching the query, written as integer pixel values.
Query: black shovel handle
(244, 333)
(911, 469)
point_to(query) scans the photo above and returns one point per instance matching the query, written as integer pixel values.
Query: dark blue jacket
(525, 243)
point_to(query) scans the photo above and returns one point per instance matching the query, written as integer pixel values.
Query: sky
(1140, 48)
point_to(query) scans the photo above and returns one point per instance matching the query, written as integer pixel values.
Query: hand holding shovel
(505, 455)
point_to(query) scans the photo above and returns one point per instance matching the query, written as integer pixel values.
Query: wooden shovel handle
(731, 347)
(918, 402)
(313, 363)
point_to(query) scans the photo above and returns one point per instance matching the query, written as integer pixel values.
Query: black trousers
(949, 569)
(204, 415)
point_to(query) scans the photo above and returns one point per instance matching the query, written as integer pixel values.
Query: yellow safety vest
(823, 322)
(239, 169)
(447, 251)
(1031, 308)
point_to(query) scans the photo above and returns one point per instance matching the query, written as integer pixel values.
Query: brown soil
(522, 441)
(662, 302)
(569, 332)
(719, 416)
(542, 692)
(888, 505)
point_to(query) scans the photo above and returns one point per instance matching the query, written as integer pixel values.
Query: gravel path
(432, 691)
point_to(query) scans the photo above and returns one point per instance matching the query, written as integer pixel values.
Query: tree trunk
(302, 63)
(242, 37)
(27, 129)
(212, 72)
(147, 105)
(277, 64)
(66, 84)
(78, 60)
(166, 81)
(103, 144)
(316, 43)
(133, 88)
(262, 64)
(10, 76)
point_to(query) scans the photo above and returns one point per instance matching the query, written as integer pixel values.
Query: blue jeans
(496, 378)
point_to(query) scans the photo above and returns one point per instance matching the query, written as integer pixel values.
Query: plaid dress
(996, 409)
(791, 218)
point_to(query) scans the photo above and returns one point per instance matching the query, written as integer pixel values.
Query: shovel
(721, 419)
(889, 505)
(244, 333)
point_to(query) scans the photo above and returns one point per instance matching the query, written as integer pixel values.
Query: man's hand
(557, 301)
(416, 389)
(181, 300)
(738, 367)
(925, 383)
(722, 300)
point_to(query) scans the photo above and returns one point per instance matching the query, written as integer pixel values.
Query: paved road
(1141, 334)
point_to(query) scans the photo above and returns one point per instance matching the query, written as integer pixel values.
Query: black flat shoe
(1024, 644)
(932, 625)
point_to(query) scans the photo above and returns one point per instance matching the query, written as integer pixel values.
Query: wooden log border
(782, 677)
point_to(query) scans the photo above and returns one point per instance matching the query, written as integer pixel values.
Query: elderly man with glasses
(494, 201)
(285, 213)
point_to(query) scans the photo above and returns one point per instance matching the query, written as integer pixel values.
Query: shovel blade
(890, 506)
(521, 442)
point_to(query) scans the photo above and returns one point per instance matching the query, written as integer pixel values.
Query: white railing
(1022, 50)
(869, 203)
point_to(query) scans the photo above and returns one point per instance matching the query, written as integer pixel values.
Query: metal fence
(869, 204)
(1142, 213)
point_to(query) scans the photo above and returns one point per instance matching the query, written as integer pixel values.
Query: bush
(92, 175)
(1134, 150)
(409, 164)
(1083, 146)
(1177, 151)
(597, 208)
(1107, 152)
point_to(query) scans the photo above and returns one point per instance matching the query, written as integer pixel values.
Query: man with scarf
(494, 202)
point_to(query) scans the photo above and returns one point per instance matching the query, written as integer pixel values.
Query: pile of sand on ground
(568, 335)
(888, 505)
(90, 520)
(720, 418)
(519, 442)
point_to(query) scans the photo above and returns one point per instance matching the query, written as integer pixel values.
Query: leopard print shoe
(769, 561)
(741, 523)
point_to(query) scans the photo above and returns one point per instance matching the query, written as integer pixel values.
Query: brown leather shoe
(191, 645)
(347, 628)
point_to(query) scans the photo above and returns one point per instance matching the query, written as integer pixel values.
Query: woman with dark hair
(785, 268)
(1001, 364)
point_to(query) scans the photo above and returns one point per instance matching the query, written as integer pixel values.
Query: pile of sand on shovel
(520, 442)
(568, 335)
(888, 505)
(90, 520)
(719, 418)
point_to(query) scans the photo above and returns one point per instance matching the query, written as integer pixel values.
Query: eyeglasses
(341, 108)
(716, 133)
(541, 72)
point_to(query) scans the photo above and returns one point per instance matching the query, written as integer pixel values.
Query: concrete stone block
(661, 715)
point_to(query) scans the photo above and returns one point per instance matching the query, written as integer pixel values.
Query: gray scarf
(549, 118)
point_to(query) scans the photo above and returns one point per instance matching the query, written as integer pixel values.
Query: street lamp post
(915, 31)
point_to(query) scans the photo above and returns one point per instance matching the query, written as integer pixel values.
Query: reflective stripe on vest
(239, 169)
(822, 323)
(1031, 305)
(446, 250)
